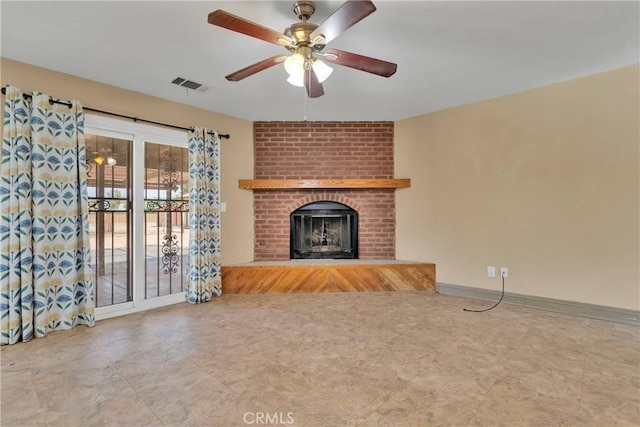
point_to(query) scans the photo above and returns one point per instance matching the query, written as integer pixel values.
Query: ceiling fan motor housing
(300, 32)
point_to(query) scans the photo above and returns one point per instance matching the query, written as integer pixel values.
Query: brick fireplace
(324, 150)
(348, 166)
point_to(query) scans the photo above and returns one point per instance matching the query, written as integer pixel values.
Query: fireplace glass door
(324, 230)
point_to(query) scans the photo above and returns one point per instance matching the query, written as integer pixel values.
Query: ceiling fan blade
(349, 14)
(359, 62)
(314, 87)
(235, 23)
(254, 68)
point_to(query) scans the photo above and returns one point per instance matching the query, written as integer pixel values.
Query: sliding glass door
(138, 188)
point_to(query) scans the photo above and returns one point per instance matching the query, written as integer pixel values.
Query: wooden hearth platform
(327, 276)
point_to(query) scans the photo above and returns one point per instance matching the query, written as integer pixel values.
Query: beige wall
(236, 153)
(545, 182)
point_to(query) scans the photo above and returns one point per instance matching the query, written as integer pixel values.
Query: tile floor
(342, 359)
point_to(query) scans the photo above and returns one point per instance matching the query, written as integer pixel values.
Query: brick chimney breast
(324, 150)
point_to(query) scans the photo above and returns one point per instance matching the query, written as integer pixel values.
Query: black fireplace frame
(318, 210)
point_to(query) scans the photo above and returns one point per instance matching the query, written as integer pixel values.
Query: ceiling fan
(306, 42)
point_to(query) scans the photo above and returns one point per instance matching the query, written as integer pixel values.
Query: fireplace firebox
(326, 230)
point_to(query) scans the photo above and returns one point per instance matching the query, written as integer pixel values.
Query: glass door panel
(110, 218)
(166, 226)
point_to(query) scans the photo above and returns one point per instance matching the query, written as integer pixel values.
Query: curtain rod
(135, 119)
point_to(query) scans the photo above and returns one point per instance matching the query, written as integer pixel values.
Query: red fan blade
(235, 23)
(314, 87)
(349, 14)
(254, 68)
(362, 63)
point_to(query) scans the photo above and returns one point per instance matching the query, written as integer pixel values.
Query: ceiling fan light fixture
(322, 70)
(103, 156)
(294, 64)
(296, 79)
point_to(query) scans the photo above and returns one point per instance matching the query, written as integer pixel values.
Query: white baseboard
(592, 311)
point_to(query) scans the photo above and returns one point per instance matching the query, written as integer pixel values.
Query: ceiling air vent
(189, 84)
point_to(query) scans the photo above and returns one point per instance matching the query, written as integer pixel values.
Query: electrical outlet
(504, 272)
(491, 271)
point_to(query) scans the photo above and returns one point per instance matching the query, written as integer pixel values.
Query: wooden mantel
(314, 184)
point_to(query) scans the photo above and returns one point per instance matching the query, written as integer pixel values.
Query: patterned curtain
(204, 217)
(45, 276)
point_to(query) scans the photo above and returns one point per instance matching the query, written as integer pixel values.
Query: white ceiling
(448, 53)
